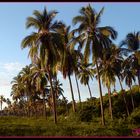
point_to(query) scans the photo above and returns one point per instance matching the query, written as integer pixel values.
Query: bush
(134, 118)
(85, 114)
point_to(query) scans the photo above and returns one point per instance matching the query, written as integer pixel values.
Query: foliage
(134, 118)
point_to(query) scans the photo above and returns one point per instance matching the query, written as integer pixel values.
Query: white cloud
(8, 71)
(13, 66)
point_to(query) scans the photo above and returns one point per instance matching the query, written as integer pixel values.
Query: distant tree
(2, 100)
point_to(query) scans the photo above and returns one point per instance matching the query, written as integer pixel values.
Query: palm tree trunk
(44, 104)
(53, 96)
(138, 75)
(73, 103)
(110, 103)
(36, 110)
(89, 90)
(78, 89)
(1, 106)
(28, 105)
(132, 100)
(124, 97)
(65, 104)
(101, 97)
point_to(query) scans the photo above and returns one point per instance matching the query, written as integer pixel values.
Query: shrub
(85, 114)
(134, 118)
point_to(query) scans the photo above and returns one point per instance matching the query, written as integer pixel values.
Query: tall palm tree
(132, 42)
(44, 43)
(85, 74)
(40, 80)
(95, 38)
(107, 71)
(68, 57)
(118, 68)
(79, 58)
(129, 77)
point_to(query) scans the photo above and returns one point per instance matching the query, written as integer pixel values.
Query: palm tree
(69, 57)
(95, 39)
(26, 79)
(107, 70)
(132, 42)
(18, 89)
(44, 43)
(57, 88)
(40, 80)
(129, 76)
(118, 69)
(8, 102)
(85, 73)
(2, 99)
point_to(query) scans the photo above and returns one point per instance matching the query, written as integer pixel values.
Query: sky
(123, 17)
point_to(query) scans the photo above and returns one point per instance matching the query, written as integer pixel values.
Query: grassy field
(21, 126)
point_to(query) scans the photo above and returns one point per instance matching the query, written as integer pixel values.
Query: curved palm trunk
(78, 89)
(101, 97)
(73, 101)
(124, 97)
(53, 96)
(132, 100)
(110, 102)
(89, 90)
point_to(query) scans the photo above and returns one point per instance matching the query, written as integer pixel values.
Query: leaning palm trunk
(132, 100)
(73, 101)
(89, 90)
(53, 97)
(78, 89)
(110, 102)
(124, 97)
(101, 97)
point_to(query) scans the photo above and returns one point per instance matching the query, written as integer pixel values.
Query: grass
(21, 126)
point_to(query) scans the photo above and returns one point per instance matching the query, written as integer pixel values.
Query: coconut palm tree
(129, 77)
(44, 43)
(40, 80)
(18, 89)
(2, 99)
(26, 80)
(85, 74)
(95, 38)
(107, 68)
(118, 69)
(132, 42)
(68, 57)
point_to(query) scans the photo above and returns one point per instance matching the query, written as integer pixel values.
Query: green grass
(21, 126)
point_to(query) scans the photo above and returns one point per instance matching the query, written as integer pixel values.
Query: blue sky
(122, 16)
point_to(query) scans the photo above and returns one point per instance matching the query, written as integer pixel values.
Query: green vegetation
(85, 122)
(20, 126)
